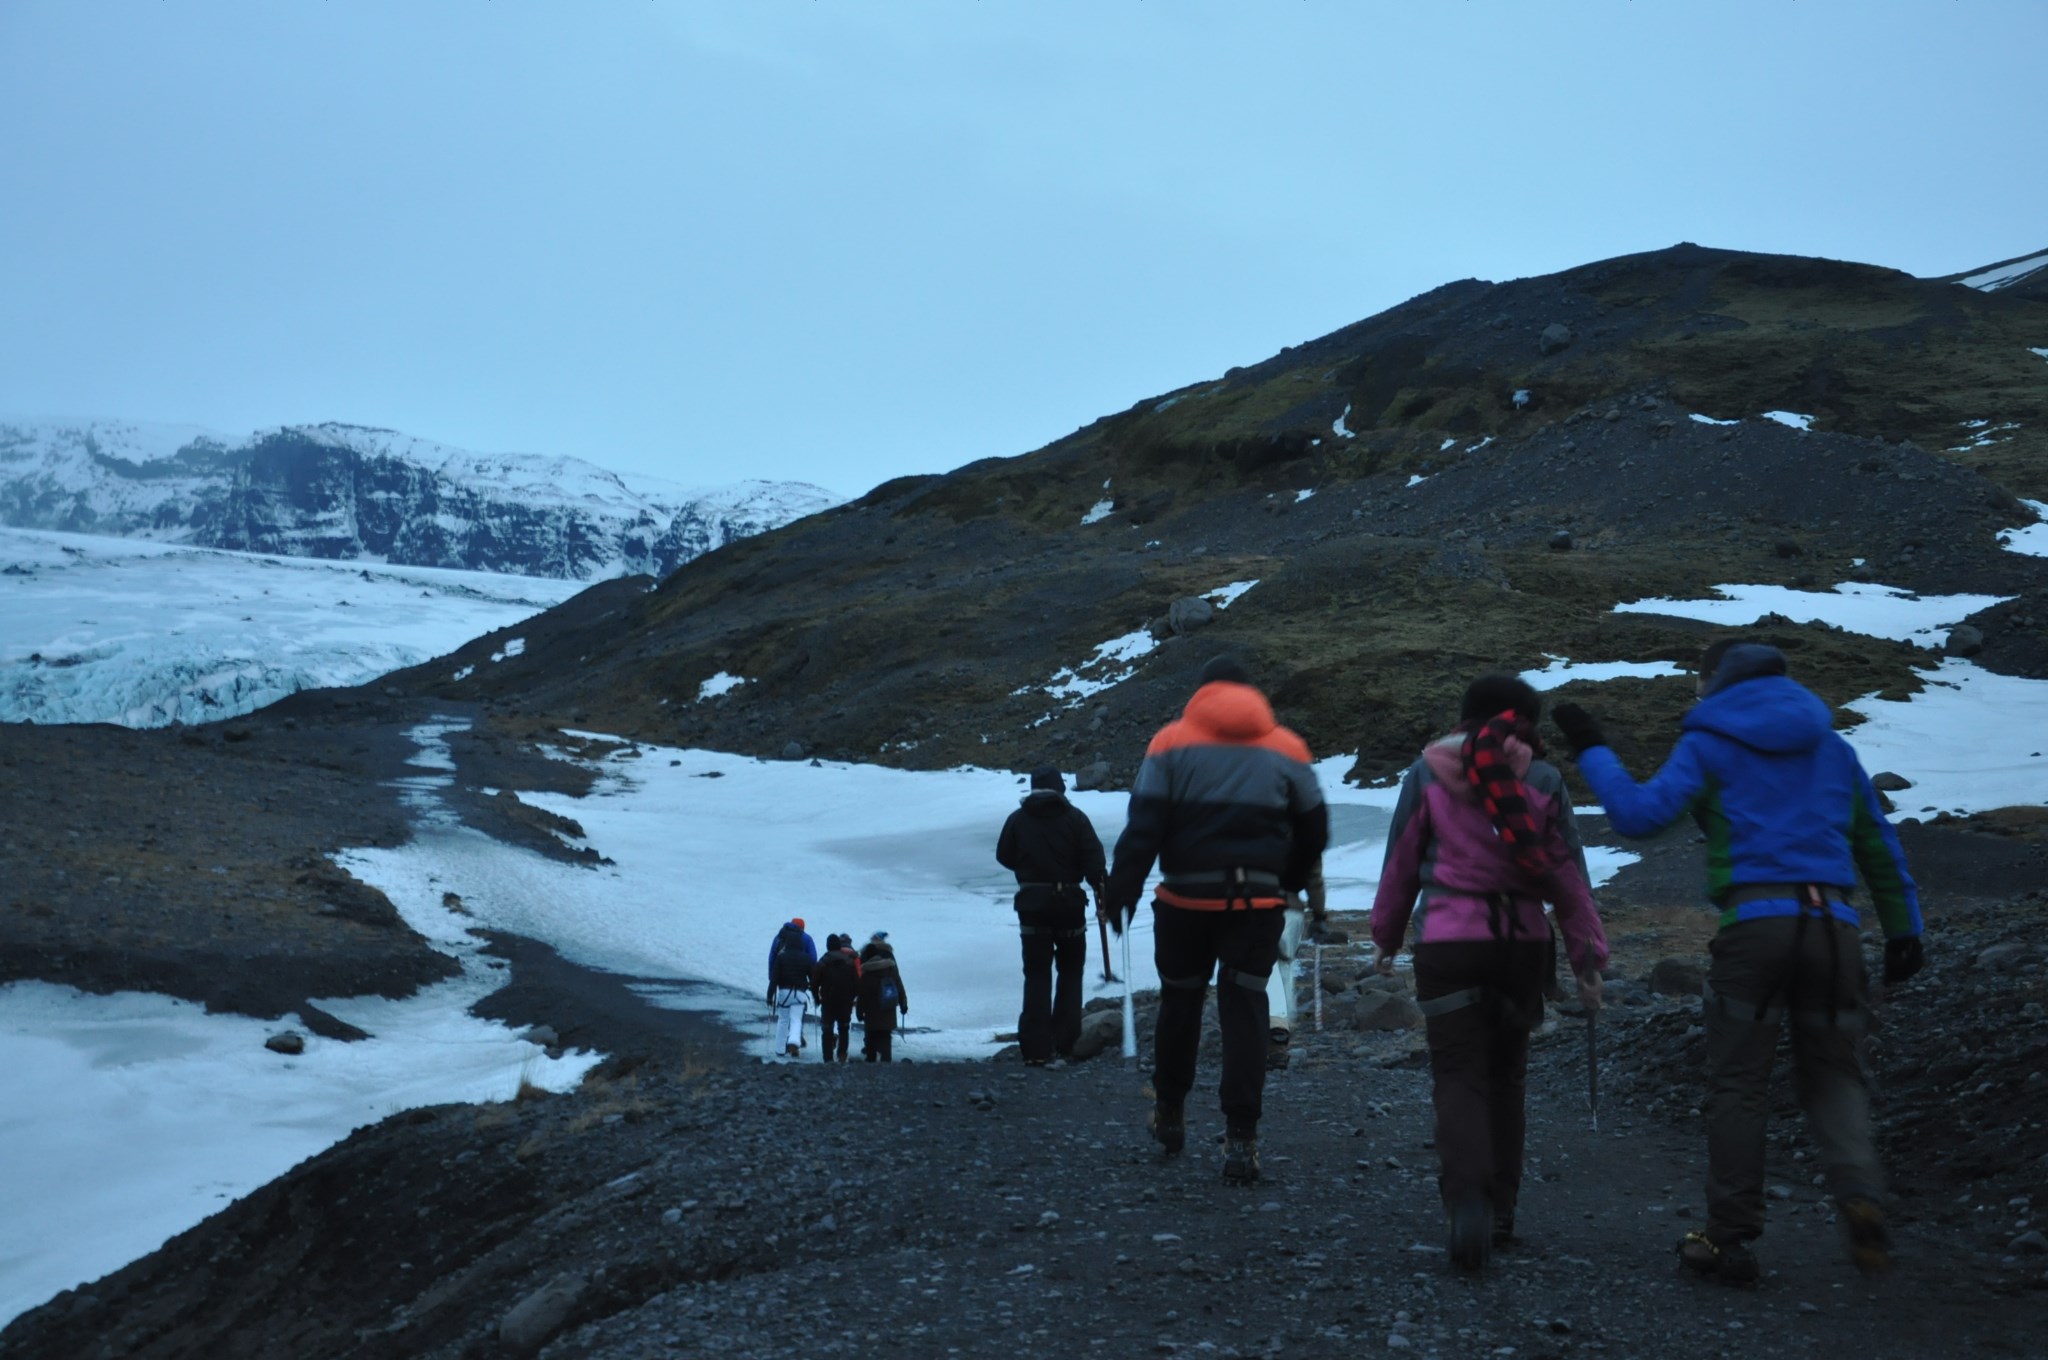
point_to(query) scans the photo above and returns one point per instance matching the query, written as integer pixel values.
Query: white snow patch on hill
(2005, 275)
(725, 682)
(1563, 672)
(141, 634)
(2031, 539)
(1874, 610)
(1792, 418)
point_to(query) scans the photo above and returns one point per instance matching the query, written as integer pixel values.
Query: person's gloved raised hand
(1120, 915)
(1581, 732)
(1903, 957)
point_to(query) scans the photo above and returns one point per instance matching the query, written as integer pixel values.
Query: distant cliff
(350, 492)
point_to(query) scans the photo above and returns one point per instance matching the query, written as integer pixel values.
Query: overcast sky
(842, 241)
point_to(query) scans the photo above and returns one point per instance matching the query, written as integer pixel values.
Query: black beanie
(1225, 667)
(1497, 693)
(1046, 777)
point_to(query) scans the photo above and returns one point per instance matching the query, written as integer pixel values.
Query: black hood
(1044, 803)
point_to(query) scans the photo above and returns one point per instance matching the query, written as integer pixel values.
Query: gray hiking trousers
(1798, 974)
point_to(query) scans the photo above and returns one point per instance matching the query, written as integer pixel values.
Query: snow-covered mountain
(355, 493)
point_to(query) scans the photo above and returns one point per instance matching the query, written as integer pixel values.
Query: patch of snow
(1474, 448)
(2031, 539)
(1448, 443)
(725, 682)
(1563, 672)
(464, 673)
(1792, 418)
(1164, 405)
(516, 647)
(1100, 511)
(142, 1115)
(1416, 479)
(1303, 495)
(1986, 434)
(1224, 596)
(1339, 428)
(1873, 610)
(1971, 739)
(2006, 274)
(2042, 352)
(1709, 420)
(1111, 663)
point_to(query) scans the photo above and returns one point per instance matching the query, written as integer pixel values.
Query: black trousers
(835, 1024)
(1051, 1019)
(1479, 1057)
(1240, 948)
(878, 1041)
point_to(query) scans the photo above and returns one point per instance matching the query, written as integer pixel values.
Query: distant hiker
(1790, 818)
(1227, 803)
(1052, 847)
(791, 956)
(1306, 917)
(1483, 834)
(835, 983)
(882, 998)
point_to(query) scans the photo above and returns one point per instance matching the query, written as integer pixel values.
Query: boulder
(1561, 541)
(1677, 977)
(1384, 1010)
(1188, 613)
(1964, 640)
(2002, 958)
(289, 1043)
(538, 1316)
(544, 1035)
(1556, 336)
(1090, 777)
(794, 751)
(1100, 1031)
(1887, 782)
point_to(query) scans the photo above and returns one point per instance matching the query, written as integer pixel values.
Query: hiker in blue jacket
(791, 956)
(1790, 818)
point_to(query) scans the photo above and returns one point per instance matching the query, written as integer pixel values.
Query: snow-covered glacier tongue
(144, 634)
(361, 494)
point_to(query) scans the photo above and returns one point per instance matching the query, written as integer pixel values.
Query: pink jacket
(1444, 851)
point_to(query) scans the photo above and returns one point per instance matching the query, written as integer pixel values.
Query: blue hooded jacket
(1778, 792)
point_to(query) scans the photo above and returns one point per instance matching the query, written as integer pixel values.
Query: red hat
(797, 921)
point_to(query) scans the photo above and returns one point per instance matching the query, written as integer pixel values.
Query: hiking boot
(1169, 1130)
(1730, 1262)
(1240, 1158)
(790, 1050)
(1471, 1234)
(1504, 1238)
(1870, 1241)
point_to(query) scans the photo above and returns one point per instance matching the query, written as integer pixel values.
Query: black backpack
(791, 967)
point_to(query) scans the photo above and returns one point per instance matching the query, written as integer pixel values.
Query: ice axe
(1102, 926)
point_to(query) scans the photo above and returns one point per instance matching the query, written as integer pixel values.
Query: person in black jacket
(882, 998)
(1052, 847)
(835, 982)
(1226, 802)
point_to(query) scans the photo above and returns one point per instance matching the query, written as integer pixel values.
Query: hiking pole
(1130, 1011)
(1317, 978)
(1593, 1068)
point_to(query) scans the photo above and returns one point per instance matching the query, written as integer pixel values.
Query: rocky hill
(350, 492)
(1473, 479)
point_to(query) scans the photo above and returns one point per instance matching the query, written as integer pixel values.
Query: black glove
(1120, 916)
(1316, 923)
(1581, 733)
(1903, 957)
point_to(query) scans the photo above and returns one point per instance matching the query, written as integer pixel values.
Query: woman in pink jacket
(1482, 838)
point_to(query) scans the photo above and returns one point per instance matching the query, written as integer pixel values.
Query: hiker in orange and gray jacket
(1228, 805)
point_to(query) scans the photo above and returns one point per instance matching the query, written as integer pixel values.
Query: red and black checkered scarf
(1490, 770)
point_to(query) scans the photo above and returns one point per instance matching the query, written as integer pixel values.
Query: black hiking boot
(1240, 1158)
(1169, 1130)
(1471, 1234)
(1870, 1240)
(1504, 1238)
(1730, 1262)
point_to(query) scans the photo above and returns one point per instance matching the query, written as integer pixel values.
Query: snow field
(142, 633)
(1875, 610)
(2031, 539)
(1563, 672)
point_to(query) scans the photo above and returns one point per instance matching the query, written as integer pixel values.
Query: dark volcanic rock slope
(923, 623)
